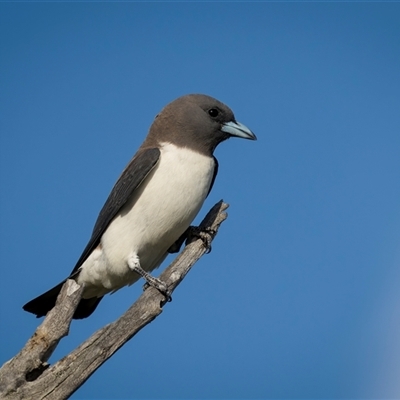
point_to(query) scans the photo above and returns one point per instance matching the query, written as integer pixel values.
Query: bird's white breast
(152, 220)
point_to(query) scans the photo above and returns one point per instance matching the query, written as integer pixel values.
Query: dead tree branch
(29, 376)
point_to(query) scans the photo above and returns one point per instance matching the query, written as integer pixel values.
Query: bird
(151, 206)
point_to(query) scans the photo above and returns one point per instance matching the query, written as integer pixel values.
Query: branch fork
(28, 375)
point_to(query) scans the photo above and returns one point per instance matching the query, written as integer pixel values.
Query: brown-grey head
(196, 121)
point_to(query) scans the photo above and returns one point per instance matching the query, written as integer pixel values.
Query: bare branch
(28, 375)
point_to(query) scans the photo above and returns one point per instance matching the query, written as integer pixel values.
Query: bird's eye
(213, 112)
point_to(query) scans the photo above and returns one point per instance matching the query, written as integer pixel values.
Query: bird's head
(197, 121)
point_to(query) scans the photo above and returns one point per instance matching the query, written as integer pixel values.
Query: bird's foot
(205, 234)
(156, 283)
(151, 281)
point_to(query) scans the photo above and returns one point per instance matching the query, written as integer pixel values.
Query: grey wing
(214, 176)
(131, 178)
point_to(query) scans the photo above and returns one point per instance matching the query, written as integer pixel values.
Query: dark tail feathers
(42, 304)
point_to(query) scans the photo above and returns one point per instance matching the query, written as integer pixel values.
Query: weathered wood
(28, 376)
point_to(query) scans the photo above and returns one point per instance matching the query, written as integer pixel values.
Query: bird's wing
(214, 176)
(129, 181)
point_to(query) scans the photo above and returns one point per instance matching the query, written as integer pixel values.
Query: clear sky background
(300, 296)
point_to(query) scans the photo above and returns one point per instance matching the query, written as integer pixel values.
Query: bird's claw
(150, 280)
(205, 234)
(159, 285)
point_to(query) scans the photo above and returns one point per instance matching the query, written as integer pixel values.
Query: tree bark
(29, 376)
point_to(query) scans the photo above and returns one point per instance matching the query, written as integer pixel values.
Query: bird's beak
(239, 130)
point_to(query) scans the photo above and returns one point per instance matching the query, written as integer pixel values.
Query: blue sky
(299, 297)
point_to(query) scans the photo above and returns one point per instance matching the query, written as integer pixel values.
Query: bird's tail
(42, 304)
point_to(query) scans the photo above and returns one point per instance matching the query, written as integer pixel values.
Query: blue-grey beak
(239, 130)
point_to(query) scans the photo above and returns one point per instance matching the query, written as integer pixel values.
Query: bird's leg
(205, 234)
(134, 265)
